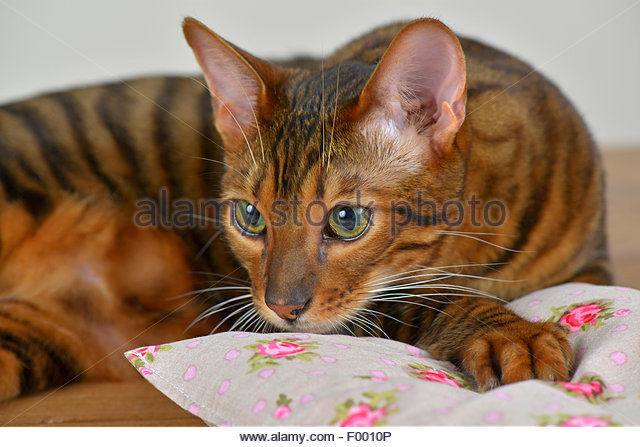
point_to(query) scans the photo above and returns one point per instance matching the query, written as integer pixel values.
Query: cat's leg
(81, 287)
(496, 346)
(35, 352)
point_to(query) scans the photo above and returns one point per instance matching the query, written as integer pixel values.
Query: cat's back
(488, 68)
(525, 144)
(125, 139)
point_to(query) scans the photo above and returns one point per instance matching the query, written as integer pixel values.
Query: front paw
(519, 351)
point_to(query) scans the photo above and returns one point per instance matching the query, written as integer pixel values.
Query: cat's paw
(519, 351)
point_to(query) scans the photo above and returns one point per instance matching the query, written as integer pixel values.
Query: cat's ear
(241, 85)
(419, 86)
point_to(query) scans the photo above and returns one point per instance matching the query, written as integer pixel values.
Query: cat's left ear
(241, 85)
(419, 86)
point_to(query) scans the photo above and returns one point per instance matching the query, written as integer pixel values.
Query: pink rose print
(269, 353)
(190, 373)
(362, 416)
(232, 354)
(373, 411)
(378, 376)
(259, 406)
(581, 315)
(622, 312)
(265, 374)
(277, 349)
(141, 352)
(437, 376)
(224, 386)
(567, 420)
(142, 357)
(618, 357)
(194, 344)
(306, 398)
(585, 421)
(282, 412)
(588, 389)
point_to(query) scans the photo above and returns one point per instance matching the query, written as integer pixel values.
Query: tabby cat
(406, 186)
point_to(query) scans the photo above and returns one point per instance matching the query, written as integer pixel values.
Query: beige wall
(590, 48)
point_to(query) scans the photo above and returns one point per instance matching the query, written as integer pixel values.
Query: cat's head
(326, 167)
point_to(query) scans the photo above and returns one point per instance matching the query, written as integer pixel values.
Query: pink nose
(286, 311)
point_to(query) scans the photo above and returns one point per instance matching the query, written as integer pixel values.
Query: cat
(406, 186)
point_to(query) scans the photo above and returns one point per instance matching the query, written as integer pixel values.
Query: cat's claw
(520, 351)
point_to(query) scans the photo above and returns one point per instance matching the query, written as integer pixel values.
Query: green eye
(348, 222)
(249, 218)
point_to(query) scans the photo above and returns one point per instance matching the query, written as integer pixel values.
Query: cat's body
(80, 282)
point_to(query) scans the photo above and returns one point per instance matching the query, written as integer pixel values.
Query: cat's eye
(249, 218)
(348, 222)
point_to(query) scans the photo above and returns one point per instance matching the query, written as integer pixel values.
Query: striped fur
(75, 267)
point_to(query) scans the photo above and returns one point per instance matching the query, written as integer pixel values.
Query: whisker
(243, 318)
(255, 118)
(454, 233)
(415, 304)
(228, 304)
(422, 268)
(208, 289)
(335, 109)
(240, 280)
(206, 246)
(438, 277)
(426, 297)
(219, 162)
(476, 292)
(322, 113)
(346, 326)
(376, 312)
(230, 315)
(359, 324)
(367, 323)
(260, 325)
(239, 126)
(253, 321)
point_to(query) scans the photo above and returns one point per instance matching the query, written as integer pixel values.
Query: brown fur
(74, 267)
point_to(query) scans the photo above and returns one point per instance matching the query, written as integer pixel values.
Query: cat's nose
(287, 311)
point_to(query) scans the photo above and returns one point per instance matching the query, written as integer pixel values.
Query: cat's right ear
(241, 85)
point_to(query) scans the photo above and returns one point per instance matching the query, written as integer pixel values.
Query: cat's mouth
(309, 318)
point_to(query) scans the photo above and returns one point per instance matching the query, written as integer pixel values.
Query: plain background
(591, 49)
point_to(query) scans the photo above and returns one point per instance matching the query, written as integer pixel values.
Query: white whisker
(376, 312)
(414, 303)
(206, 246)
(231, 315)
(220, 307)
(243, 318)
(455, 233)
(335, 110)
(239, 127)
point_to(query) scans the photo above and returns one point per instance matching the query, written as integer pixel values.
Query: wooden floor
(623, 210)
(139, 404)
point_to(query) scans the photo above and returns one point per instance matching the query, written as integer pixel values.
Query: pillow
(236, 378)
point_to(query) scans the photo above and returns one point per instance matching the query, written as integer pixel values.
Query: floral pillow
(237, 378)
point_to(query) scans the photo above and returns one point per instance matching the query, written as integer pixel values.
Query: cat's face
(323, 180)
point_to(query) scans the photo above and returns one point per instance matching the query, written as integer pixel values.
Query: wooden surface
(125, 404)
(139, 404)
(623, 210)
